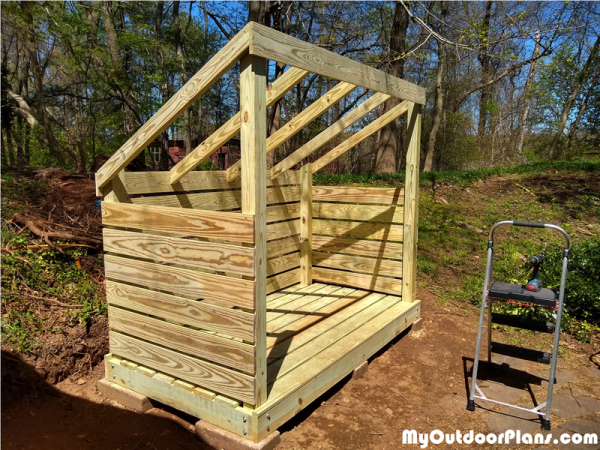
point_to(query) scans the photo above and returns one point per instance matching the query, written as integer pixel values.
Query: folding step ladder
(500, 291)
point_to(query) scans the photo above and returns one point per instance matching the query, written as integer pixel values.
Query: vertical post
(306, 224)
(411, 204)
(114, 192)
(253, 133)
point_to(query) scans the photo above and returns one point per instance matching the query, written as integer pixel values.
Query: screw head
(114, 376)
(268, 428)
(268, 416)
(245, 432)
(245, 420)
(112, 365)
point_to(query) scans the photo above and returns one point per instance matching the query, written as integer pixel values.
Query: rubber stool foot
(546, 425)
(471, 405)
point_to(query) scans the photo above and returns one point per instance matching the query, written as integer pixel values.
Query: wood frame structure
(241, 296)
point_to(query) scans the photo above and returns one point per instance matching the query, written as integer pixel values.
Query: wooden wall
(357, 237)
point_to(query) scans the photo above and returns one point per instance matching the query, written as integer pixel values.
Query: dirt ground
(419, 381)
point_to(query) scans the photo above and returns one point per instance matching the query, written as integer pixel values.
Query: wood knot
(246, 116)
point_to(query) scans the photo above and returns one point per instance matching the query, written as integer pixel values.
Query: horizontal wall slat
(346, 211)
(283, 212)
(374, 266)
(358, 280)
(211, 376)
(283, 280)
(376, 249)
(184, 282)
(205, 255)
(386, 196)
(216, 349)
(283, 263)
(230, 322)
(218, 201)
(283, 246)
(282, 229)
(157, 182)
(218, 225)
(360, 230)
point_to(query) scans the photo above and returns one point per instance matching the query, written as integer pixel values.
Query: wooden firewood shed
(240, 296)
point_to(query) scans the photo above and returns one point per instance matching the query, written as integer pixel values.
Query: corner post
(306, 224)
(411, 204)
(253, 109)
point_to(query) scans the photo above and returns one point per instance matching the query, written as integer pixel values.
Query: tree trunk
(485, 61)
(187, 130)
(387, 142)
(553, 150)
(37, 73)
(439, 93)
(527, 98)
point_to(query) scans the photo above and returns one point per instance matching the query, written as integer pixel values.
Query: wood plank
(283, 263)
(360, 136)
(357, 280)
(278, 213)
(235, 420)
(224, 60)
(298, 123)
(184, 282)
(276, 46)
(280, 348)
(227, 352)
(204, 255)
(230, 322)
(211, 224)
(386, 196)
(232, 127)
(283, 246)
(283, 280)
(411, 209)
(136, 183)
(291, 294)
(223, 200)
(372, 213)
(329, 133)
(376, 249)
(359, 230)
(253, 132)
(306, 225)
(375, 266)
(338, 329)
(296, 390)
(211, 376)
(282, 229)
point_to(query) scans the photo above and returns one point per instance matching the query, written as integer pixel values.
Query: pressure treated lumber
(306, 230)
(359, 230)
(227, 352)
(230, 322)
(301, 120)
(146, 382)
(283, 280)
(283, 246)
(203, 255)
(218, 201)
(136, 183)
(283, 263)
(184, 282)
(283, 229)
(224, 60)
(276, 46)
(359, 281)
(411, 207)
(360, 136)
(211, 224)
(376, 249)
(329, 133)
(211, 376)
(253, 150)
(278, 213)
(296, 390)
(371, 213)
(375, 266)
(387, 196)
(232, 127)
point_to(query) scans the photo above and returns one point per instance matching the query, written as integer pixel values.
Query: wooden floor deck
(316, 335)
